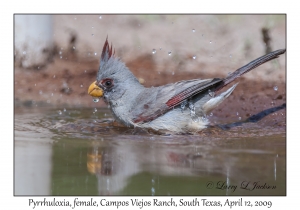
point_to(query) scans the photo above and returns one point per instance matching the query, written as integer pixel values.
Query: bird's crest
(107, 52)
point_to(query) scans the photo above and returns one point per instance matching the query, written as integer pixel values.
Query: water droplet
(237, 113)
(24, 52)
(153, 181)
(92, 34)
(160, 48)
(51, 94)
(54, 76)
(96, 100)
(153, 51)
(275, 88)
(95, 110)
(173, 73)
(194, 117)
(59, 112)
(159, 72)
(60, 52)
(170, 53)
(81, 86)
(210, 42)
(74, 47)
(211, 114)
(183, 104)
(193, 30)
(65, 110)
(230, 56)
(75, 18)
(34, 84)
(240, 118)
(40, 92)
(100, 17)
(60, 57)
(202, 34)
(113, 90)
(92, 26)
(153, 191)
(139, 25)
(194, 57)
(95, 53)
(84, 71)
(211, 93)
(152, 138)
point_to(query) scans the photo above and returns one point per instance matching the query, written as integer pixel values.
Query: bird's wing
(155, 101)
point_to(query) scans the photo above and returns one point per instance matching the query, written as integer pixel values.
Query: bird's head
(113, 77)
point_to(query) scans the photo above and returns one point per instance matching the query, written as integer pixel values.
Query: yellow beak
(95, 91)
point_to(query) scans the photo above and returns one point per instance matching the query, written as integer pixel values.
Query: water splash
(96, 100)
(183, 105)
(194, 117)
(211, 93)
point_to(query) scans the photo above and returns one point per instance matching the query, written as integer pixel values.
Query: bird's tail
(252, 65)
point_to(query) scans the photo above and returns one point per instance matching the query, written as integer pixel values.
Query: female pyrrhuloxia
(179, 107)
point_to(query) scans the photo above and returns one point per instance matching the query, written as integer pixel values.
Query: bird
(179, 107)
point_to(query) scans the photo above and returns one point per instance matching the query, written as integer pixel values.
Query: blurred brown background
(159, 49)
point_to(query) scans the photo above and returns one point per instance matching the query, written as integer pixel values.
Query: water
(74, 153)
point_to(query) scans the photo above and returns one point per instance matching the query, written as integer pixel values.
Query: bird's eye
(107, 83)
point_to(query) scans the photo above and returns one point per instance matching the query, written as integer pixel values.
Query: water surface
(81, 152)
